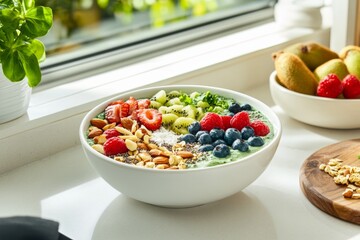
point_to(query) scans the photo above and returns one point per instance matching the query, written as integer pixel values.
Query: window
(120, 31)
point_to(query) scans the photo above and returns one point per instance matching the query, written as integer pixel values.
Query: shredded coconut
(164, 136)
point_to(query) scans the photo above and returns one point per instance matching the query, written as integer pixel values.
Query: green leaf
(12, 66)
(31, 67)
(38, 49)
(29, 3)
(9, 19)
(38, 22)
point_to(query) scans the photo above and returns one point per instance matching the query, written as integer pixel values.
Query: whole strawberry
(351, 87)
(330, 86)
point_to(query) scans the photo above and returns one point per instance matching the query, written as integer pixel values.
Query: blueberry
(206, 148)
(188, 138)
(247, 132)
(245, 107)
(219, 141)
(239, 145)
(231, 134)
(205, 139)
(194, 128)
(234, 108)
(216, 134)
(255, 141)
(221, 151)
(199, 133)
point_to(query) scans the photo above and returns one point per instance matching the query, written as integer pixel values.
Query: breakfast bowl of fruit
(182, 145)
(323, 93)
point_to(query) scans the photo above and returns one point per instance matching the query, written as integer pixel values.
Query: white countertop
(63, 187)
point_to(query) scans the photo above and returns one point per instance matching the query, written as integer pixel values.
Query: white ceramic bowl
(314, 110)
(182, 188)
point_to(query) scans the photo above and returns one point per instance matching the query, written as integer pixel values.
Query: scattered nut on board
(344, 175)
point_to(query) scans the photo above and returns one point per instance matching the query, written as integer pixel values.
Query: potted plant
(22, 22)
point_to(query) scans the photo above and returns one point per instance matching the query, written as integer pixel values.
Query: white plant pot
(14, 98)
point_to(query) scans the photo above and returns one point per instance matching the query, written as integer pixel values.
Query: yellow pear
(335, 66)
(312, 54)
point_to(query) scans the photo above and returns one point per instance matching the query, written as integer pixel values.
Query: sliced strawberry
(144, 103)
(150, 118)
(124, 110)
(120, 101)
(113, 113)
(133, 104)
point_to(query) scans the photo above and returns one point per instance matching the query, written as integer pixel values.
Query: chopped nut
(145, 130)
(119, 159)
(146, 139)
(99, 148)
(123, 131)
(348, 193)
(130, 137)
(141, 164)
(356, 196)
(145, 156)
(175, 160)
(134, 127)
(142, 146)
(131, 145)
(339, 179)
(354, 177)
(152, 146)
(162, 166)
(109, 126)
(101, 139)
(150, 164)
(139, 133)
(322, 166)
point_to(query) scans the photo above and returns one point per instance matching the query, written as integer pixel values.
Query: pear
(344, 50)
(293, 74)
(352, 61)
(335, 66)
(312, 54)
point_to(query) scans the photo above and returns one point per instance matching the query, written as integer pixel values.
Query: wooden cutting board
(320, 188)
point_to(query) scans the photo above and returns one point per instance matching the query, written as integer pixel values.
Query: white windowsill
(239, 61)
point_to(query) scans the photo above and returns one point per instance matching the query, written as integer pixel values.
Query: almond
(99, 123)
(161, 160)
(94, 132)
(185, 154)
(126, 123)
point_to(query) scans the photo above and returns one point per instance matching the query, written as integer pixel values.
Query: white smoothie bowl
(188, 187)
(314, 110)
